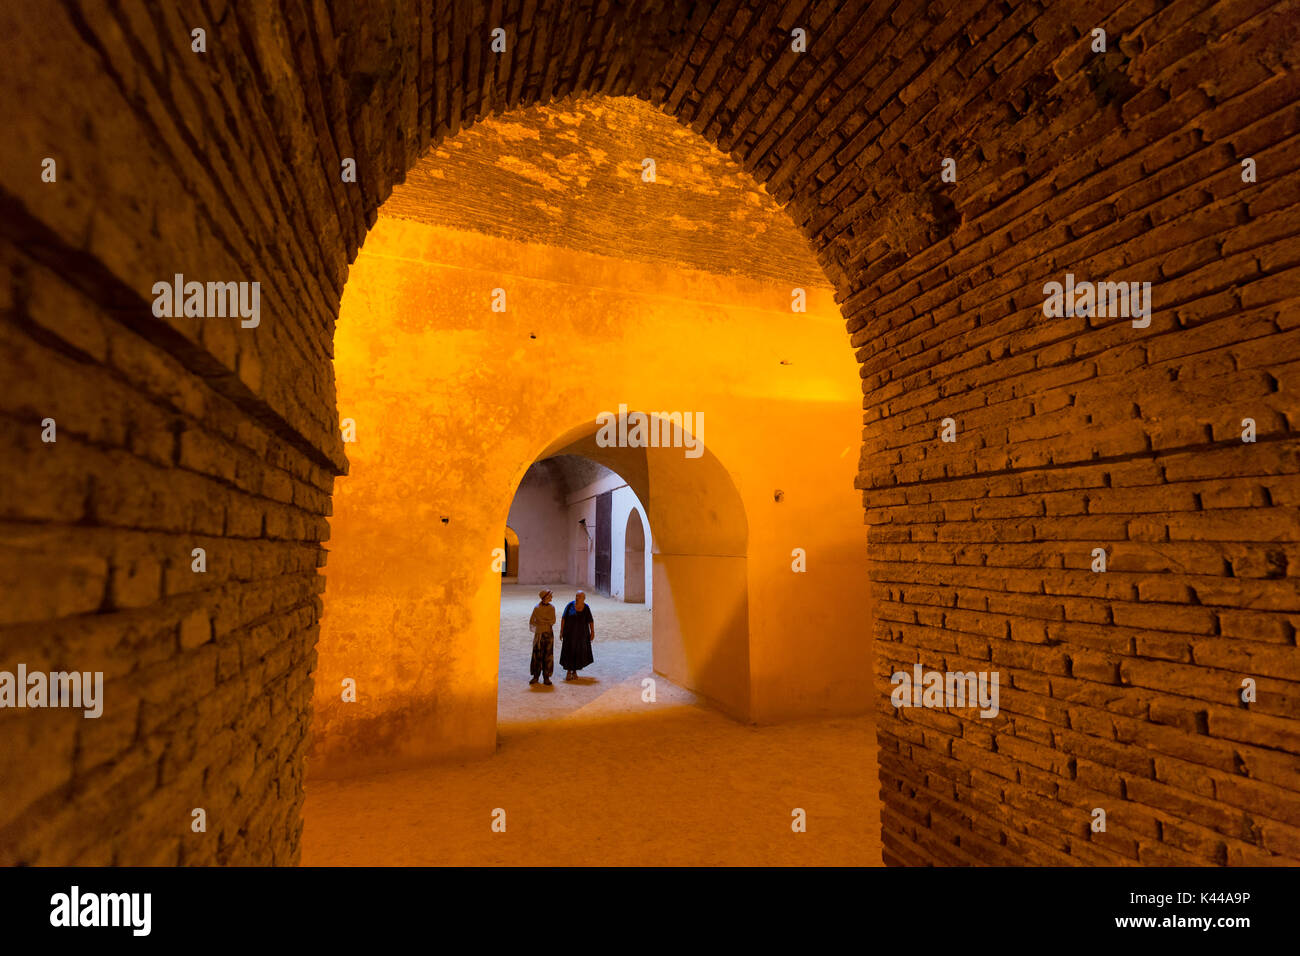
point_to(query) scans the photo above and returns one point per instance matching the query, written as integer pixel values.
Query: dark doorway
(510, 565)
(604, 547)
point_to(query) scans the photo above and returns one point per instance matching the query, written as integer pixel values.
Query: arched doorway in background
(634, 539)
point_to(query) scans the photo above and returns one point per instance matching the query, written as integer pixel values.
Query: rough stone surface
(1120, 690)
(571, 175)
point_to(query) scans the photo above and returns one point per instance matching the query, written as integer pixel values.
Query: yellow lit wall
(452, 402)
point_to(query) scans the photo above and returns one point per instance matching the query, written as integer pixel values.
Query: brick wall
(1120, 690)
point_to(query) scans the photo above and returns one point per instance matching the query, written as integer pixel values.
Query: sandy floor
(590, 773)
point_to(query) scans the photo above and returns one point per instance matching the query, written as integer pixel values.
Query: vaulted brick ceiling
(571, 174)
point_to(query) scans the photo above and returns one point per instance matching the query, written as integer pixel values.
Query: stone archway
(179, 434)
(703, 579)
(421, 358)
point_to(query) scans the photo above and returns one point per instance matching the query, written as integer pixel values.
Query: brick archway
(1072, 433)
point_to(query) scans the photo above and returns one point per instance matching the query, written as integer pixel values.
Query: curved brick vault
(1121, 690)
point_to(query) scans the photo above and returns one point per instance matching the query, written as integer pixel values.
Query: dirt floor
(589, 773)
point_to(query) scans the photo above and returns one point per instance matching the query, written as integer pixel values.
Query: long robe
(575, 637)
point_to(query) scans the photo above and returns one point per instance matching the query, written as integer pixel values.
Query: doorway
(634, 539)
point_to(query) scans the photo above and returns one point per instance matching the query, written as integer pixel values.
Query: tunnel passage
(1122, 689)
(453, 400)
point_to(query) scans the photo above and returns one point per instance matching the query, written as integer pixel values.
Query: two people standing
(577, 631)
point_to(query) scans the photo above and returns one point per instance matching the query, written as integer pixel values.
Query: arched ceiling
(569, 473)
(570, 174)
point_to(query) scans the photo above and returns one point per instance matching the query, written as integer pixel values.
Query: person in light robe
(542, 624)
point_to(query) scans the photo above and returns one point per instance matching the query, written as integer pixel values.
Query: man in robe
(577, 631)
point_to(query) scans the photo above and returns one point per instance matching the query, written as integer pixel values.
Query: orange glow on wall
(452, 401)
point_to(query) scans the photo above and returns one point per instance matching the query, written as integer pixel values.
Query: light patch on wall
(532, 173)
(514, 132)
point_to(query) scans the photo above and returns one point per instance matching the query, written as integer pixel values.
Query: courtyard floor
(588, 773)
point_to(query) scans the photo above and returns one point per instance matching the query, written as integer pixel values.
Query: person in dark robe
(577, 631)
